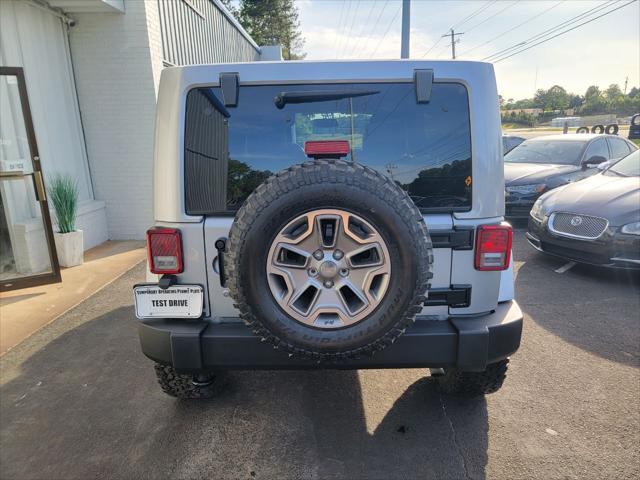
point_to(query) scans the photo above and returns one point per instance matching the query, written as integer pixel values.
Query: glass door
(27, 250)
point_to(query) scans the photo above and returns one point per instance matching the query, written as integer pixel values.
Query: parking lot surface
(79, 400)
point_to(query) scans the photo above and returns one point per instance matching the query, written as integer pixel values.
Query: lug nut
(344, 272)
(338, 254)
(318, 255)
(328, 284)
(312, 272)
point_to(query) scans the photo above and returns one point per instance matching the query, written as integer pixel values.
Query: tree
(540, 98)
(575, 101)
(592, 93)
(557, 98)
(634, 92)
(273, 22)
(231, 7)
(613, 92)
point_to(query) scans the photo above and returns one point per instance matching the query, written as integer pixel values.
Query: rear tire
(473, 384)
(349, 190)
(188, 386)
(597, 129)
(582, 130)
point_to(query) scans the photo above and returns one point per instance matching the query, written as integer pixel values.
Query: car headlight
(526, 189)
(536, 211)
(631, 228)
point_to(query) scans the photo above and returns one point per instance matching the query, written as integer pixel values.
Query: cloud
(603, 52)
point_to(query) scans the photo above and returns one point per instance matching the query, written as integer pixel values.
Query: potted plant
(69, 242)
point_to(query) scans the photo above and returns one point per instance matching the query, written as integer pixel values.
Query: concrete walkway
(24, 311)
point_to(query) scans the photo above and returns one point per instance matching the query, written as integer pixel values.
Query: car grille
(575, 225)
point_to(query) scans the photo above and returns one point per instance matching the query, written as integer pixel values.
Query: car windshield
(561, 152)
(629, 166)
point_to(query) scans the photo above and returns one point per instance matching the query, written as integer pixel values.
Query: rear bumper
(469, 343)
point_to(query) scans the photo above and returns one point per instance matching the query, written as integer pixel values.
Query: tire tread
(330, 171)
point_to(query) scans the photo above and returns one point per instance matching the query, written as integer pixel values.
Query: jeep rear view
(337, 215)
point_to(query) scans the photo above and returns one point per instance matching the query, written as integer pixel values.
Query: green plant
(64, 195)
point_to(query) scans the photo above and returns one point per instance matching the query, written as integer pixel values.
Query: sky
(602, 52)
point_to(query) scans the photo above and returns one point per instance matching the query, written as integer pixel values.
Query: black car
(595, 221)
(544, 163)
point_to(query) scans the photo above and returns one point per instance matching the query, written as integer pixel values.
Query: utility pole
(626, 82)
(452, 34)
(406, 25)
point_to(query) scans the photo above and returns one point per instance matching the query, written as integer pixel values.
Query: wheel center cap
(328, 269)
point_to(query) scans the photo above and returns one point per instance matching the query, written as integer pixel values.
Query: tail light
(493, 247)
(164, 249)
(326, 148)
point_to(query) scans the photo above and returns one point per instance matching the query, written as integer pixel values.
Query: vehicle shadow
(87, 405)
(593, 308)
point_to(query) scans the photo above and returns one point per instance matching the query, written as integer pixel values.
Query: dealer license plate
(177, 301)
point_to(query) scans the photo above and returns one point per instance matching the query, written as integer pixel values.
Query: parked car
(509, 142)
(544, 163)
(594, 221)
(370, 239)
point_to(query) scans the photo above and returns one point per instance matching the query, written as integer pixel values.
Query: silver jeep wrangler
(329, 215)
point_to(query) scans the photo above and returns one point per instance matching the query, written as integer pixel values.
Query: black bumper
(612, 249)
(469, 343)
(519, 205)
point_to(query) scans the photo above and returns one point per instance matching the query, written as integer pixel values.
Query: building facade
(92, 70)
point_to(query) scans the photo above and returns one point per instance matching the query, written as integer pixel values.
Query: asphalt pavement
(79, 400)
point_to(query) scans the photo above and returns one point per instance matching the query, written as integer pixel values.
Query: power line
(513, 28)
(462, 22)
(561, 25)
(387, 31)
(364, 26)
(491, 17)
(474, 14)
(384, 6)
(453, 41)
(566, 31)
(341, 39)
(340, 18)
(353, 21)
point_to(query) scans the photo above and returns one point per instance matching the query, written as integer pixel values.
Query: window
(563, 152)
(619, 148)
(424, 148)
(629, 166)
(597, 147)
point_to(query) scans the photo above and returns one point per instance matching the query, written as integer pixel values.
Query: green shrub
(64, 195)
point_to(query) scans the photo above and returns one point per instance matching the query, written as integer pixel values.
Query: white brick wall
(117, 60)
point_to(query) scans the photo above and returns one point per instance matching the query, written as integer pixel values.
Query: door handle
(41, 193)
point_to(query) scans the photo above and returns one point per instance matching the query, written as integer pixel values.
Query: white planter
(70, 248)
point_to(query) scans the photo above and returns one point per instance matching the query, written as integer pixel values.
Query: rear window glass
(424, 148)
(561, 152)
(619, 148)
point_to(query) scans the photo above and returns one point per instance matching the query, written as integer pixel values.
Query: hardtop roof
(471, 72)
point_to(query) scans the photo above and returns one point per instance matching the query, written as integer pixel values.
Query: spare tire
(612, 129)
(597, 129)
(582, 130)
(329, 260)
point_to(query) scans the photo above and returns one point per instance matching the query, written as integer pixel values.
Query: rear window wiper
(318, 96)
